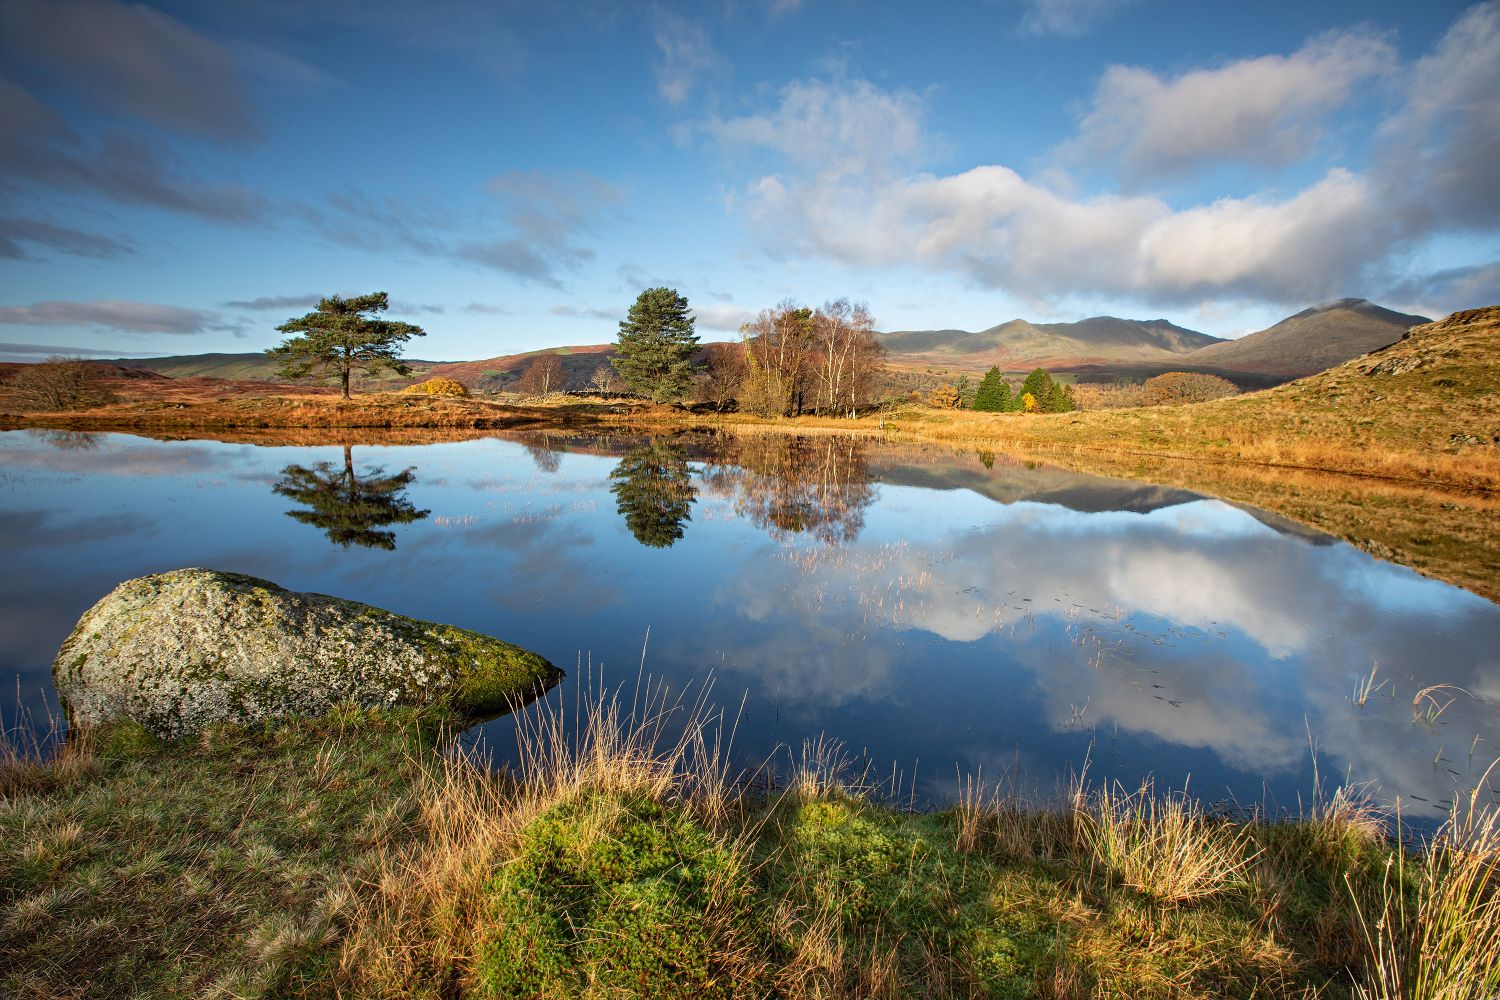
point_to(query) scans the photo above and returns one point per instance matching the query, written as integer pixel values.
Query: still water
(937, 612)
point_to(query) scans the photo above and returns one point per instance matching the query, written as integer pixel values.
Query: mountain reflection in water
(942, 612)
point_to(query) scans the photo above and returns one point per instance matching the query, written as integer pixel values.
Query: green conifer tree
(993, 395)
(339, 338)
(654, 352)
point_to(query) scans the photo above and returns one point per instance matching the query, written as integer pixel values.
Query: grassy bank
(343, 856)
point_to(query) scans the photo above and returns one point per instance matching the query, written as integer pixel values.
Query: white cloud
(834, 128)
(1267, 110)
(1444, 144)
(723, 317)
(1067, 18)
(846, 183)
(687, 57)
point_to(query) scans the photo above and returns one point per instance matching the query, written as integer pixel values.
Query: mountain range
(1098, 348)
(1310, 341)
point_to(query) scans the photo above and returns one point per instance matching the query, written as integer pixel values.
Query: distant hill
(1102, 348)
(503, 372)
(1018, 344)
(1106, 348)
(1312, 341)
(251, 366)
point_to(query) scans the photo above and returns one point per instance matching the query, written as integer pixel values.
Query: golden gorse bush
(439, 387)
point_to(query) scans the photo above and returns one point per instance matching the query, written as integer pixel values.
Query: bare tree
(58, 383)
(604, 380)
(777, 343)
(723, 373)
(543, 376)
(845, 359)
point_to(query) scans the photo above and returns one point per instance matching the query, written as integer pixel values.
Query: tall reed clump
(601, 862)
(1434, 933)
(1163, 846)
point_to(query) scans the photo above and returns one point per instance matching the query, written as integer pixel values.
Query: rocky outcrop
(183, 650)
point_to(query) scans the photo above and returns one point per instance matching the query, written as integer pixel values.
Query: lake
(937, 612)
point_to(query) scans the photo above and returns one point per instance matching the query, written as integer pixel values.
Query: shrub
(944, 397)
(1185, 387)
(58, 384)
(439, 387)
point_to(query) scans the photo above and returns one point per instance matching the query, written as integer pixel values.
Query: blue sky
(181, 177)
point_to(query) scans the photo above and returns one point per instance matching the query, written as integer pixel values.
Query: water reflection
(350, 509)
(934, 609)
(654, 493)
(815, 486)
(71, 440)
(546, 453)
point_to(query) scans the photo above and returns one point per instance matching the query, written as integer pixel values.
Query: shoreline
(1431, 512)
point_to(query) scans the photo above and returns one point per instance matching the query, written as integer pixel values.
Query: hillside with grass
(250, 366)
(1311, 341)
(504, 372)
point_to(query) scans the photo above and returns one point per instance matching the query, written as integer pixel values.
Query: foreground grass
(227, 865)
(343, 857)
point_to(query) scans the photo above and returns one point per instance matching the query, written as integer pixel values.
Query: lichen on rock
(183, 650)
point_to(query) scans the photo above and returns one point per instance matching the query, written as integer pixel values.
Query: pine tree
(1039, 385)
(654, 352)
(338, 338)
(994, 392)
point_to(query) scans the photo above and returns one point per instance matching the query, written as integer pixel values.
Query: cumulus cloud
(1445, 141)
(1267, 110)
(687, 57)
(1345, 232)
(16, 234)
(132, 58)
(837, 128)
(1066, 18)
(127, 317)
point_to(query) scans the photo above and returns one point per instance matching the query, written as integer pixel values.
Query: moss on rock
(179, 651)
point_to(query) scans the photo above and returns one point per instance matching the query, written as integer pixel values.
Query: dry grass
(623, 857)
(1161, 845)
(1434, 931)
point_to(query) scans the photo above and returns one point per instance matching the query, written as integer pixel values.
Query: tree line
(1038, 393)
(790, 359)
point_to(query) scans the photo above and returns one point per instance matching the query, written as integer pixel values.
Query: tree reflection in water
(350, 509)
(543, 452)
(813, 486)
(654, 492)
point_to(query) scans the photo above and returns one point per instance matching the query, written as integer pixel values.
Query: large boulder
(183, 650)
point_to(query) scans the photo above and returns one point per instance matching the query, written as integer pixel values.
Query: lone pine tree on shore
(654, 352)
(342, 336)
